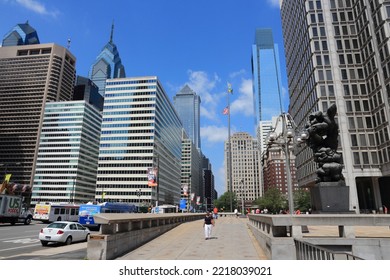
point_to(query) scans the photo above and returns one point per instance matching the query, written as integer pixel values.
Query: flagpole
(230, 90)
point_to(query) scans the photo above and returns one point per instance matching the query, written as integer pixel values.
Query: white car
(63, 232)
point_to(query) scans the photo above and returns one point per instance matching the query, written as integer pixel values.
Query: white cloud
(238, 73)
(243, 104)
(36, 7)
(205, 86)
(213, 134)
(274, 3)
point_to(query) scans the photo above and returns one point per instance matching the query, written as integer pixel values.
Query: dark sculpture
(323, 132)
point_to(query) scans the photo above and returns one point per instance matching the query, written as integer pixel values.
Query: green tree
(273, 200)
(223, 202)
(302, 200)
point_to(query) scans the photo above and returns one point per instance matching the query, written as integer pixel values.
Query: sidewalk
(231, 240)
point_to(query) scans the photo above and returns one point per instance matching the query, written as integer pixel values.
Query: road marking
(8, 239)
(15, 248)
(23, 240)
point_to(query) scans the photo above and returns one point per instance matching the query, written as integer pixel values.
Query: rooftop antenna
(69, 41)
(112, 31)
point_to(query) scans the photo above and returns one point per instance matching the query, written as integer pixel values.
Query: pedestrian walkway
(231, 240)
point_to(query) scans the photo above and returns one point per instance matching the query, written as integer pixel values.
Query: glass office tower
(141, 132)
(187, 105)
(266, 76)
(68, 153)
(108, 65)
(21, 34)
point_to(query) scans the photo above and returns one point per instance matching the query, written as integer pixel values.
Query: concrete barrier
(120, 233)
(276, 233)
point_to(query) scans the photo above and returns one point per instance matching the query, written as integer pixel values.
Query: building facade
(108, 65)
(266, 76)
(30, 76)
(245, 166)
(187, 105)
(141, 132)
(67, 159)
(21, 34)
(191, 174)
(337, 52)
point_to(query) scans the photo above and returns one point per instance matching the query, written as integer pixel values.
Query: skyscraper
(245, 166)
(141, 132)
(108, 65)
(337, 52)
(187, 105)
(266, 76)
(68, 153)
(30, 76)
(21, 34)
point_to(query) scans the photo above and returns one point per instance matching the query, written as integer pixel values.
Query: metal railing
(307, 251)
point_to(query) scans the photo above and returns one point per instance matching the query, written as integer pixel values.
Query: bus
(87, 211)
(162, 209)
(50, 212)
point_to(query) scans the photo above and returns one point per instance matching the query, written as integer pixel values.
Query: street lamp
(283, 135)
(189, 200)
(139, 199)
(242, 196)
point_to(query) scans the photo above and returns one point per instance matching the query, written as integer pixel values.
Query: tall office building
(30, 76)
(191, 173)
(266, 76)
(141, 133)
(108, 65)
(86, 90)
(337, 52)
(21, 34)
(208, 182)
(245, 166)
(187, 105)
(68, 152)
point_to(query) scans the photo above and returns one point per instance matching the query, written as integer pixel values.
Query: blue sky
(202, 43)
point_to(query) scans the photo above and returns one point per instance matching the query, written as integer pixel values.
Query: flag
(226, 110)
(230, 90)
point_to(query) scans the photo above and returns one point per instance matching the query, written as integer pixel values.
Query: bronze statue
(322, 139)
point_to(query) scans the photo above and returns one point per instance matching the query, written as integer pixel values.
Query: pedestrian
(208, 225)
(215, 213)
(236, 212)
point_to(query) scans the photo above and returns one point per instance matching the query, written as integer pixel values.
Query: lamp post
(157, 178)
(242, 196)
(139, 199)
(74, 190)
(283, 136)
(189, 201)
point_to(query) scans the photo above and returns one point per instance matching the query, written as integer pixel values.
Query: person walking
(208, 225)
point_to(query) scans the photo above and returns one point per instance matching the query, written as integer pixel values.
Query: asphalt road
(20, 242)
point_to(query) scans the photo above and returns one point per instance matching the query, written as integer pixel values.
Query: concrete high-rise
(245, 166)
(141, 132)
(108, 65)
(337, 52)
(187, 105)
(30, 76)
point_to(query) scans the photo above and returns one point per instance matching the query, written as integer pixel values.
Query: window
(351, 123)
(354, 140)
(356, 158)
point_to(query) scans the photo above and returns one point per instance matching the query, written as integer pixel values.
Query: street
(20, 242)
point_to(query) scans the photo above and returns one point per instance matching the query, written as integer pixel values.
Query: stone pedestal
(330, 197)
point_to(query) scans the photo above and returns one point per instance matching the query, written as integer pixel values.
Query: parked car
(63, 232)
